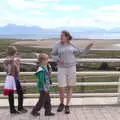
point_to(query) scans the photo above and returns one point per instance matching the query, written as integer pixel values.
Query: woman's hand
(91, 44)
(61, 61)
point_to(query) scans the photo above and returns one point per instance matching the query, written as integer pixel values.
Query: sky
(61, 13)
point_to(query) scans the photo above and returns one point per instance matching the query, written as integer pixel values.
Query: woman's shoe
(14, 112)
(60, 107)
(49, 114)
(23, 110)
(67, 110)
(36, 114)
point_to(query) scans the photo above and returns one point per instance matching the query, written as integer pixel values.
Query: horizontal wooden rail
(33, 84)
(75, 95)
(83, 73)
(78, 60)
(95, 73)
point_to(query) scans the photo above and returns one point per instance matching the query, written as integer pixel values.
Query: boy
(43, 82)
(12, 83)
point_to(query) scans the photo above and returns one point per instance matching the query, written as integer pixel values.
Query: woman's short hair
(67, 34)
(11, 50)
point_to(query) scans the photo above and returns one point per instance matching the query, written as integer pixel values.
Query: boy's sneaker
(36, 114)
(15, 112)
(67, 110)
(22, 110)
(60, 107)
(49, 114)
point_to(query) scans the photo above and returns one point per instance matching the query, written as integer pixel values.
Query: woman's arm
(55, 54)
(82, 52)
(86, 50)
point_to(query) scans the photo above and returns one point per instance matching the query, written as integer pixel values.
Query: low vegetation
(26, 52)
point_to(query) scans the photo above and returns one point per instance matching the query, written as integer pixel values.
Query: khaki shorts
(66, 76)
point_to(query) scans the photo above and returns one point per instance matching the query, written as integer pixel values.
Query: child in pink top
(12, 83)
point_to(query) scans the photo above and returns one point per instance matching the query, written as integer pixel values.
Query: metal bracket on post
(118, 97)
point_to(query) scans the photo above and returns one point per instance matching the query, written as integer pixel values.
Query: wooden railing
(85, 73)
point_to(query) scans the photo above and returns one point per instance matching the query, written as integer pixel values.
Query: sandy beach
(99, 44)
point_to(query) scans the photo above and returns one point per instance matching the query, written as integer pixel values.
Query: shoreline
(81, 43)
(43, 39)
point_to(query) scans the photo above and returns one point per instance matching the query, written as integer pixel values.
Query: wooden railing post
(82, 87)
(118, 99)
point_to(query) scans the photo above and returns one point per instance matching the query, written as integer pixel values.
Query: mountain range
(22, 31)
(19, 29)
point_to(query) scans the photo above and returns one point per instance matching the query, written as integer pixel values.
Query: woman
(64, 54)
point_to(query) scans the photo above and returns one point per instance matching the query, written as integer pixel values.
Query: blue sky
(59, 13)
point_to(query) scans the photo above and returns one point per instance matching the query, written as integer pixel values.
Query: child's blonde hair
(11, 50)
(42, 57)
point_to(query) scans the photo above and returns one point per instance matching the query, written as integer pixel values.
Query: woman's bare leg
(69, 95)
(62, 90)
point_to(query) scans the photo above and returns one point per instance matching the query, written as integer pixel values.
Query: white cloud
(68, 7)
(110, 8)
(107, 16)
(113, 9)
(46, 0)
(36, 12)
(44, 22)
(50, 22)
(22, 4)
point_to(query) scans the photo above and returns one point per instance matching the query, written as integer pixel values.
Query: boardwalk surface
(77, 113)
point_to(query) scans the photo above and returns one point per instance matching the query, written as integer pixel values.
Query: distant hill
(36, 32)
(19, 29)
(22, 29)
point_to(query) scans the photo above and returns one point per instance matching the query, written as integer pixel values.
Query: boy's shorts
(66, 76)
